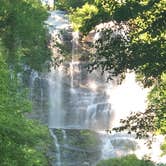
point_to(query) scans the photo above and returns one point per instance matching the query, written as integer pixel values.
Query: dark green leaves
(130, 160)
(19, 137)
(23, 33)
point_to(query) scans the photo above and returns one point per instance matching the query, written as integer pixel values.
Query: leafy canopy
(20, 138)
(22, 32)
(22, 41)
(125, 161)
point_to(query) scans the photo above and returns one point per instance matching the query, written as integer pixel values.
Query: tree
(21, 139)
(129, 160)
(22, 41)
(23, 33)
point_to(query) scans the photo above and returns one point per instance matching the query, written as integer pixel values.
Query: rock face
(65, 103)
(38, 94)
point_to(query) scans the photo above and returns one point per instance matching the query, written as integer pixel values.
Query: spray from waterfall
(126, 98)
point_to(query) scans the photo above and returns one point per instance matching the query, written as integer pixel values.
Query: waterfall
(33, 76)
(56, 115)
(108, 148)
(41, 96)
(98, 116)
(64, 135)
(58, 153)
(74, 64)
(82, 106)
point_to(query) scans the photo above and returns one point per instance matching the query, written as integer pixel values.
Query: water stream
(58, 153)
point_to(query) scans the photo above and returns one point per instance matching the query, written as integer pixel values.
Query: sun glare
(92, 85)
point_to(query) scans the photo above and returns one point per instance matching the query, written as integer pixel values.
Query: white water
(56, 114)
(64, 135)
(34, 75)
(58, 152)
(74, 64)
(108, 149)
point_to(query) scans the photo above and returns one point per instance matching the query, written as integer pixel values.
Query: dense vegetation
(142, 49)
(85, 14)
(126, 161)
(21, 139)
(23, 34)
(23, 142)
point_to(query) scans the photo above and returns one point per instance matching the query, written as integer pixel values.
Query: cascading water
(58, 153)
(34, 75)
(38, 89)
(78, 102)
(56, 115)
(81, 105)
(73, 63)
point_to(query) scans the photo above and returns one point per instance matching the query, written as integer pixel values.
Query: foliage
(22, 32)
(143, 47)
(85, 17)
(153, 120)
(81, 15)
(110, 53)
(138, 45)
(22, 41)
(157, 102)
(21, 139)
(69, 4)
(125, 161)
(148, 41)
(140, 123)
(163, 148)
(85, 14)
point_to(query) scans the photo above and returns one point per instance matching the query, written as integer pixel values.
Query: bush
(81, 15)
(130, 160)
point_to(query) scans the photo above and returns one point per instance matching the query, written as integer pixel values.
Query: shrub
(130, 160)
